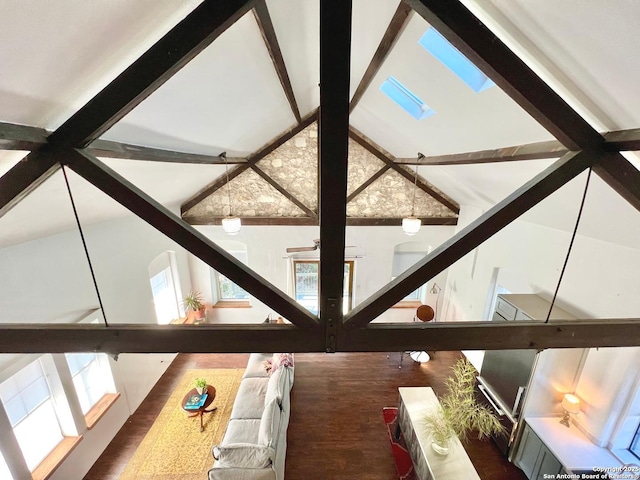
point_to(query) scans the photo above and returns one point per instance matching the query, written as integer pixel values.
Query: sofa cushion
(270, 424)
(249, 402)
(255, 366)
(245, 455)
(276, 386)
(242, 431)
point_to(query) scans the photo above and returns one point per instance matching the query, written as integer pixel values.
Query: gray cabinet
(527, 307)
(534, 458)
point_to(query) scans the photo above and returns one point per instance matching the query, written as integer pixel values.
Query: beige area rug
(174, 448)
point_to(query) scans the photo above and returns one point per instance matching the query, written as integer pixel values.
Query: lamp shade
(411, 225)
(571, 404)
(231, 225)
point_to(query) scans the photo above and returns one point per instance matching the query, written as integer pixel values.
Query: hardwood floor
(336, 429)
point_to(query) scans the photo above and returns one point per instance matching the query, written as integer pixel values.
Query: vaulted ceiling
(141, 100)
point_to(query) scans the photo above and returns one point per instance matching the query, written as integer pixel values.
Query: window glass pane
(38, 434)
(229, 290)
(164, 298)
(23, 392)
(306, 276)
(89, 381)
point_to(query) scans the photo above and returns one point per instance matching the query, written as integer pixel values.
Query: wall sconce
(571, 406)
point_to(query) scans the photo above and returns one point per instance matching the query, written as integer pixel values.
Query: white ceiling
(57, 55)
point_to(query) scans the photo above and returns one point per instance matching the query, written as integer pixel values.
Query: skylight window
(406, 99)
(440, 48)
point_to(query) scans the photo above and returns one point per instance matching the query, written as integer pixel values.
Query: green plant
(193, 301)
(200, 382)
(460, 413)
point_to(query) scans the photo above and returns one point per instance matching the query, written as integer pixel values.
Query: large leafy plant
(460, 413)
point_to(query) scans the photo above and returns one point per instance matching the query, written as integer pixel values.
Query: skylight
(406, 99)
(440, 48)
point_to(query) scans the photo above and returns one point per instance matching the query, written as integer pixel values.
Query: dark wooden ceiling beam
(156, 215)
(308, 221)
(21, 137)
(109, 149)
(261, 12)
(251, 160)
(157, 65)
(333, 152)
(488, 224)
(623, 140)
(243, 338)
(25, 176)
(474, 40)
(531, 151)
(395, 28)
(368, 182)
(620, 175)
(120, 338)
(378, 337)
(284, 192)
(368, 145)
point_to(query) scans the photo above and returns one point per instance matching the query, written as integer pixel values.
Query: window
(165, 287)
(405, 255)
(227, 291)
(27, 400)
(406, 99)
(307, 279)
(451, 57)
(90, 378)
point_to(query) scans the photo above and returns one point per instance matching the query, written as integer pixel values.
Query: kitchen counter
(414, 403)
(570, 446)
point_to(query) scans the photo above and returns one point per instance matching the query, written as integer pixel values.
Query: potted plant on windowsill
(459, 413)
(193, 302)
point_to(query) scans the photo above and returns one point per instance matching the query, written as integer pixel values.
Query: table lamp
(571, 406)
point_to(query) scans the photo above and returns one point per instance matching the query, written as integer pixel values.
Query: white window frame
(348, 284)
(43, 409)
(217, 281)
(168, 305)
(98, 368)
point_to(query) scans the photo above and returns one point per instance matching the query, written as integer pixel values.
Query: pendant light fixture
(411, 224)
(230, 224)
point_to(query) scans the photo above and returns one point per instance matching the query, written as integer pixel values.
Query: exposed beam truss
(265, 24)
(188, 38)
(155, 214)
(167, 56)
(333, 152)
(395, 28)
(368, 145)
(252, 160)
(284, 192)
(109, 149)
(530, 151)
(32, 338)
(488, 224)
(308, 221)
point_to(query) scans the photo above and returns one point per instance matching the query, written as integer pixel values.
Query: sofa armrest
(243, 455)
(242, 474)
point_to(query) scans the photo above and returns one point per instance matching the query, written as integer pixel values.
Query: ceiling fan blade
(301, 249)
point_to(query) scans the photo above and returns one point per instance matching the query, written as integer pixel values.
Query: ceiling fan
(316, 246)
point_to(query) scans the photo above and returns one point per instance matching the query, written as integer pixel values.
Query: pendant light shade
(231, 225)
(411, 225)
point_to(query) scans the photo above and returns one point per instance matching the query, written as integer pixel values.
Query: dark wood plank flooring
(336, 429)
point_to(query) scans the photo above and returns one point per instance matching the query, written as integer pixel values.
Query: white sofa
(255, 443)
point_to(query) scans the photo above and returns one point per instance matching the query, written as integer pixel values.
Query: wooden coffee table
(203, 409)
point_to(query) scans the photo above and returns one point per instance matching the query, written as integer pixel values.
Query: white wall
(266, 254)
(48, 280)
(600, 282)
